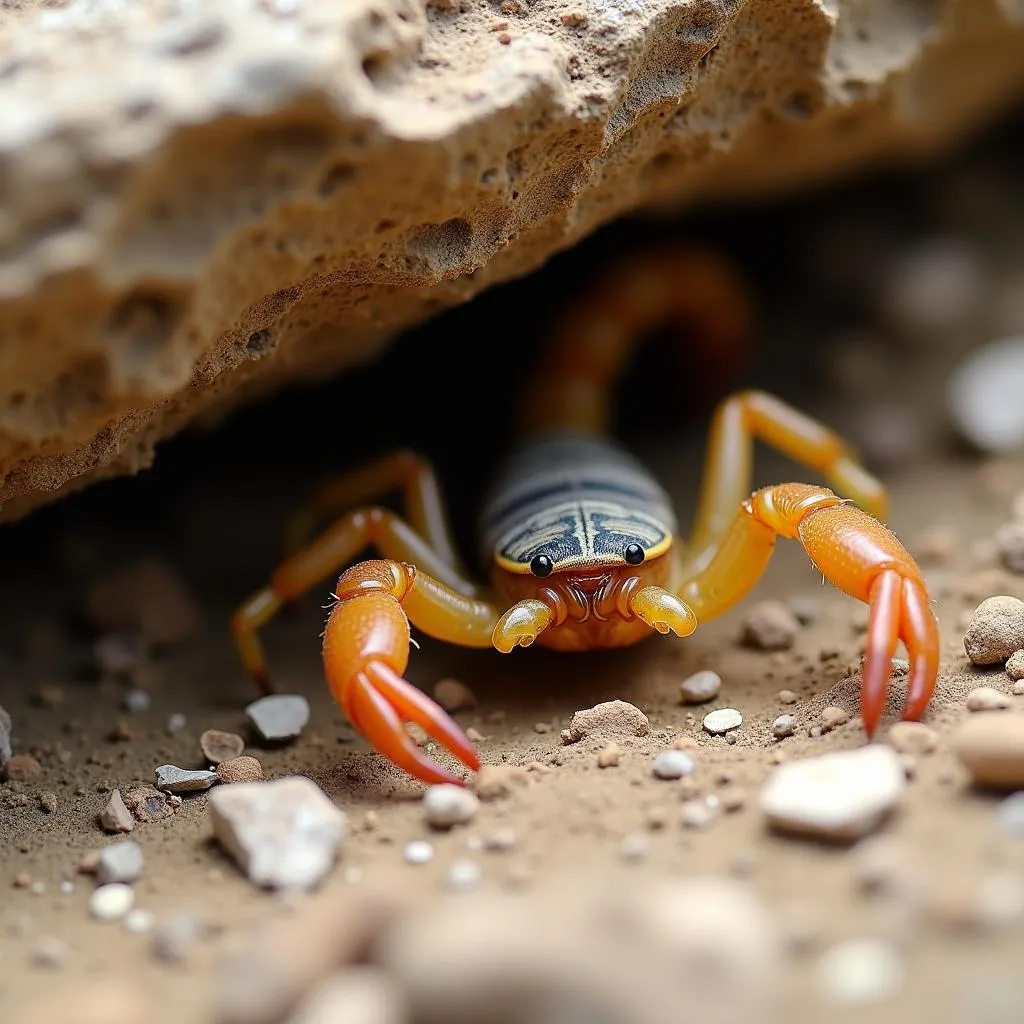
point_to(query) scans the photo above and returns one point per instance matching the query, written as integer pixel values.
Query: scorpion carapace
(582, 541)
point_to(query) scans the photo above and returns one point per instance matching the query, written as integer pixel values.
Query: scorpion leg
(366, 622)
(737, 422)
(423, 504)
(858, 555)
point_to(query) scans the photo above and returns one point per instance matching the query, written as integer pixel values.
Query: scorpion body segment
(582, 542)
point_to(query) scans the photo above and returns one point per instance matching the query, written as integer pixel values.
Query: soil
(212, 511)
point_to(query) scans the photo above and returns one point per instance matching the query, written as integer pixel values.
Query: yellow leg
(852, 550)
(362, 528)
(423, 504)
(754, 415)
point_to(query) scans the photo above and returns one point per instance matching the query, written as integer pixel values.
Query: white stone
(463, 875)
(119, 862)
(840, 795)
(183, 780)
(672, 764)
(281, 716)
(860, 972)
(985, 395)
(419, 852)
(111, 902)
(138, 921)
(284, 834)
(700, 687)
(722, 721)
(446, 805)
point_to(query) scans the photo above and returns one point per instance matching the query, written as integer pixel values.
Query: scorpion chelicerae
(582, 542)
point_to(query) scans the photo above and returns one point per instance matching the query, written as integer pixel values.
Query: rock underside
(203, 201)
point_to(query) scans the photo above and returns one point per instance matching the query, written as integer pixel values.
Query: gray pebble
(700, 687)
(5, 737)
(181, 780)
(672, 764)
(722, 720)
(119, 862)
(783, 726)
(281, 716)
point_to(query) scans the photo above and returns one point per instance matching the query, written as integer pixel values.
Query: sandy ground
(212, 510)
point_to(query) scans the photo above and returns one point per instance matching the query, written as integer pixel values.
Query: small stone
(279, 717)
(218, 746)
(446, 805)
(119, 862)
(283, 834)
(21, 768)
(136, 700)
(860, 972)
(672, 764)
(721, 721)
(1015, 666)
(770, 626)
(1010, 814)
(176, 721)
(987, 698)
(138, 921)
(912, 738)
(495, 781)
(983, 394)
(111, 902)
(50, 952)
(147, 804)
(454, 696)
(418, 852)
(541, 728)
(783, 726)
(240, 769)
(840, 795)
(787, 697)
(696, 814)
(833, 717)
(996, 630)
(991, 748)
(609, 719)
(609, 756)
(48, 801)
(182, 780)
(463, 875)
(700, 687)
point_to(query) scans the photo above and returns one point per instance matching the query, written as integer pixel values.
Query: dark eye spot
(634, 554)
(542, 566)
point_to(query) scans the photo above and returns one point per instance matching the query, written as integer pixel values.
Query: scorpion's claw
(521, 625)
(663, 611)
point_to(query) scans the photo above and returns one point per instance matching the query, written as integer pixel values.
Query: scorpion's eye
(542, 566)
(634, 554)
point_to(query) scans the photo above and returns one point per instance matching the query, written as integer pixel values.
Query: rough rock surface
(201, 201)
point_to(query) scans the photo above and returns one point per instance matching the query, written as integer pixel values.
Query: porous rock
(203, 202)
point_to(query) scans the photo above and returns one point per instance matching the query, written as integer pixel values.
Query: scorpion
(581, 540)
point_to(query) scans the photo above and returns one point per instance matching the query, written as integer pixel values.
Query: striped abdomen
(579, 500)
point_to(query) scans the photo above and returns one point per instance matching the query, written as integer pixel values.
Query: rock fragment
(454, 695)
(838, 796)
(119, 862)
(609, 719)
(672, 764)
(721, 721)
(913, 738)
(446, 805)
(279, 717)
(495, 781)
(147, 804)
(996, 630)
(700, 687)
(991, 748)
(783, 726)
(283, 834)
(111, 902)
(609, 755)
(182, 780)
(218, 746)
(770, 626)
(240, 769)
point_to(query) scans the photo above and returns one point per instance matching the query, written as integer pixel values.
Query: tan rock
(991, 748)
(201, 203)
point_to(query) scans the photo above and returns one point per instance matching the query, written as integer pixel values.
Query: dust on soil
(213, 509)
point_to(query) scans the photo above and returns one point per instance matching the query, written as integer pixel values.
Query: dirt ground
(212, 511)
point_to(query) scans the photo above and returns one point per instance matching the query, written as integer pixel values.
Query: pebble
(840, 795)
(284, 834)
(983, 394)
(240, 769)
(138, 921)
(987, 698)
(176, 721)
(182, 780)
(700, 687)
(136, 700)
(463, 875)
(783, 726)
(1015, 666)
(418, 852)
(21, 768)
(279, 717)
(833, 718)
(996, 630)
(696, 814)
(218, 746)
(609, 756)
(1010, 814)
(912, 738)
(50, 952)
(672, 764)
(495, 781)
(446, 805)
(48, 801)
(611, 718)
(119, 862)
(770, 626)
(860, 972)
(787, 697)
(5, 737)
(112, 901)
(991, 748)
(721, 721)
(454, 696)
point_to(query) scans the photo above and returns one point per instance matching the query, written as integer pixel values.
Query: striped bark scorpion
(582, 542)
